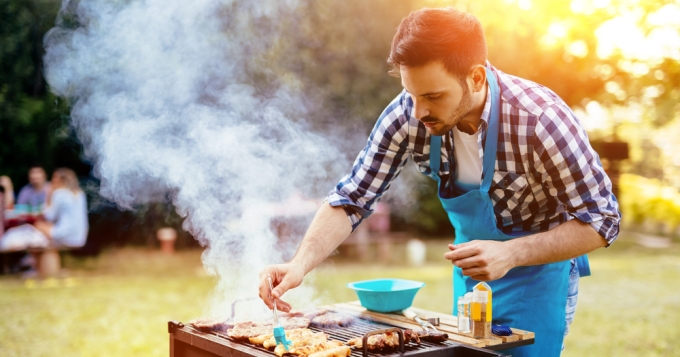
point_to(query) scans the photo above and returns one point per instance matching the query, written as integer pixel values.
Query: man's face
(37, 177)
(441, 101)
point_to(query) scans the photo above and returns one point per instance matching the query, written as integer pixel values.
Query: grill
(186, 341)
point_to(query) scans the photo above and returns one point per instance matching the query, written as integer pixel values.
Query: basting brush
(279, 333)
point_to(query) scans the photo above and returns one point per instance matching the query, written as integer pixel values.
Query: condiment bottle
(464, 313)
(481, 311)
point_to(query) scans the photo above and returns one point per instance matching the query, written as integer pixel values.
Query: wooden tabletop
(447, 323)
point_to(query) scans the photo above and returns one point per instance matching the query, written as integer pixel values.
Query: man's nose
(420, 109)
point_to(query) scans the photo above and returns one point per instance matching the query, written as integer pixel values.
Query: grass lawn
(119, 303)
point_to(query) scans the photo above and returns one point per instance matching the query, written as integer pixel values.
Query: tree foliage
(33, 123)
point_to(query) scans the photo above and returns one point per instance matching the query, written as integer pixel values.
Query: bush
(649, 201)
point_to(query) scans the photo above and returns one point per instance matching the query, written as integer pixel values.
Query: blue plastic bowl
(386, 295)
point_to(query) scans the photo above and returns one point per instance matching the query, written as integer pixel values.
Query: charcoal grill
(185, 341)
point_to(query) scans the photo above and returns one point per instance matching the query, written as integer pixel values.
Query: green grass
(119, 304)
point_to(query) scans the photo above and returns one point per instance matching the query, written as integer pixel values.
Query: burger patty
(209, 324)
(332, 319)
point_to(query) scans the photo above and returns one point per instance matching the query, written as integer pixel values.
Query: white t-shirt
(68, 212)
(468, 174)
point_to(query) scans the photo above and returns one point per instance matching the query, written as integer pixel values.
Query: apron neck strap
(490, 144)
(435, 155)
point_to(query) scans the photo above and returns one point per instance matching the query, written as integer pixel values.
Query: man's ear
(478, 77)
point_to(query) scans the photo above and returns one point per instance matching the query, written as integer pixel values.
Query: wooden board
(403, 323)
(447, 323)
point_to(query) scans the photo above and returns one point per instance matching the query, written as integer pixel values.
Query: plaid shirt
(546, 171)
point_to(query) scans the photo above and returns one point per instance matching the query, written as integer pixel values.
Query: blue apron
(530, 298)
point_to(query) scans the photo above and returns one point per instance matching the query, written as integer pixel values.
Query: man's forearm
(329, 228)
(567, 241)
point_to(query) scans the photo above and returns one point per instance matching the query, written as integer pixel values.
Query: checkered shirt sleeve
(572, 172)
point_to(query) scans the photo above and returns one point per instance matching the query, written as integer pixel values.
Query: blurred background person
(65, 219)
(6, 183)
(35, 193)
(65, 211)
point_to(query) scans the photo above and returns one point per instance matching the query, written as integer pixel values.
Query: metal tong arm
(413, 316)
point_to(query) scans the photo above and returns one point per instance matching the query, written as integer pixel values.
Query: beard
(462, 110)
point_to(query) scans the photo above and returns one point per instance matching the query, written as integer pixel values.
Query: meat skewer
(384, 341)
(432, 336)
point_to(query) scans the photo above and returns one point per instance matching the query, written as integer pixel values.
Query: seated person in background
(6, 183)
(65, 214)
(65, 211)
(35, 193)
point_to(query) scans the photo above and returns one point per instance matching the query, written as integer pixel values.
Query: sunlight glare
(555, 33)
(578, 48)
(622, 34)
(524, 4)
(579, 6)
(589, 6)
(594, 117)
(668, 15)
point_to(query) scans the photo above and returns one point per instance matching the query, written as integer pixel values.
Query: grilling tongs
(279, 333)
(425, 325)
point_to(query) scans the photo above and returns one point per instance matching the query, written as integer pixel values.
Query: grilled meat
(290, 323)
(247, 329)
(340, 351)
(305, 351)
(208, 324)
(259, 340)
(332, 319)
(384, 341)
(317, 312)
(268, 340)
(432, 336)
(292, 313)
(299, 337)
(306, 341)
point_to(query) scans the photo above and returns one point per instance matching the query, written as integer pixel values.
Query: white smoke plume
(184, 100)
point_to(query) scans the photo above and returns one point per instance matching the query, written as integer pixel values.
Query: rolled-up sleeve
(375, 167)
(572, 172)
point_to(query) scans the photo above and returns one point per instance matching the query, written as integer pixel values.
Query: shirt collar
(487, 108)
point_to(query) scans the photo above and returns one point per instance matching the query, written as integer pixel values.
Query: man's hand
(483, 260)
(284, 277)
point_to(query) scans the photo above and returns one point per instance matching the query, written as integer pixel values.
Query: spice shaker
(464, 313)
(481, 311)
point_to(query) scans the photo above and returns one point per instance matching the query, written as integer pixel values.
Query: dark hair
(454, 37)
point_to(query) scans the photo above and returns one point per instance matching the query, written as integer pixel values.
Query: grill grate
(358, 328)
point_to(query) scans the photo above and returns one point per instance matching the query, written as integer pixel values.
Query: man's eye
(433, 97)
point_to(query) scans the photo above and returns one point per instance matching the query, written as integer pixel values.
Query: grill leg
(172, 345)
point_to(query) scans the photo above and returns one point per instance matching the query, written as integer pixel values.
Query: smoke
(186, 101)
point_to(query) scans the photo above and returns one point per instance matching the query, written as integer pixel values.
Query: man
(521, 184)
(35, 193)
